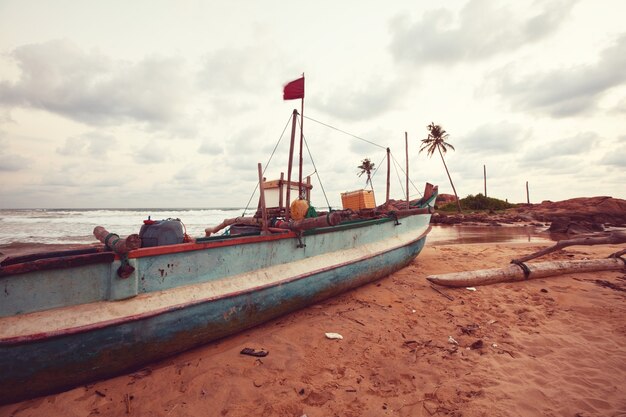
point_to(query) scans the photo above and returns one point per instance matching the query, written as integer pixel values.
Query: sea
(75, 226)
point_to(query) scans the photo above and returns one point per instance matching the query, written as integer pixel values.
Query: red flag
(294, 89)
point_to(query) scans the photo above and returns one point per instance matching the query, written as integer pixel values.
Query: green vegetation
(478, 202)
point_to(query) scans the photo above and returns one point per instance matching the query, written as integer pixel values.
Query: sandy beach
(546, 347)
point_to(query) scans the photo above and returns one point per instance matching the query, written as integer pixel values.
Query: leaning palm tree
(437, 140)
(367, 167)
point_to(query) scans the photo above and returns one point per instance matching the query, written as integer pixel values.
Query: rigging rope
(316, 173)
(376, 170)
(416, 189)
(267, 164)
(346, 133)
(396, 164)
(395, 167)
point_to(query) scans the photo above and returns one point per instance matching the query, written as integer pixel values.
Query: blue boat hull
(38, 366)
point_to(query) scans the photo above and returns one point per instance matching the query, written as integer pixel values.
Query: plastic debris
(470, 289)
(252, 352)
(477, 344)
(334, 336)
(452, 341)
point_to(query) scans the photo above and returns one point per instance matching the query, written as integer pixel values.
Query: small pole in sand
(388, 173)
(406, 143)
(485, 178)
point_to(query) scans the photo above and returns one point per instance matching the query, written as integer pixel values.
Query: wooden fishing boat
(69, 318)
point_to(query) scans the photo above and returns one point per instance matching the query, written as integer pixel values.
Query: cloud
(243, 140)
(5, 117)
(234, 79)
(94, 144)
(64, 178)
(575, 145)
(482, 29)
(566, 154)
(620, 108)
(355, 103)
(568, 91)
(615, 157)
(186, 175)
(209, 147)
(12, 163)
(59, 77)
(502, 137)
(372, 142)
(151, 153)
(229, 70)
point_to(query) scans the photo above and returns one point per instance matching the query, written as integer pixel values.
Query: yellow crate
(360, 199)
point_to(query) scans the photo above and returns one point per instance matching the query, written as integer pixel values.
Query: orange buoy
(299, 209)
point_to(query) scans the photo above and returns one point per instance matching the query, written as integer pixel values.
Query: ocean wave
(76, 226)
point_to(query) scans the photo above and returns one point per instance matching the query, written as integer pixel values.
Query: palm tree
(367, 167)
(437, 140)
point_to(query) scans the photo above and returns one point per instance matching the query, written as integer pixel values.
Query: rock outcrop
(573, 216)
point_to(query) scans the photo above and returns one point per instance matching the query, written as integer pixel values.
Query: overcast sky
(173, 104)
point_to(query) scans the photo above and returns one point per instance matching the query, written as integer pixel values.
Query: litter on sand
(334, 336)
(452, 341)
(252, 352)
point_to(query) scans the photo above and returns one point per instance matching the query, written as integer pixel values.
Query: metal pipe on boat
(115, 243)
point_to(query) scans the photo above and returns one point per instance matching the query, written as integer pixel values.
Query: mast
(291, 91)
(300, 188)
(289, 166)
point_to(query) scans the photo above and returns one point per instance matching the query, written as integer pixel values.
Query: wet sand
(550, 347)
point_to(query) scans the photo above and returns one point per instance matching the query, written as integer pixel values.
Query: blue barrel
(161, 232)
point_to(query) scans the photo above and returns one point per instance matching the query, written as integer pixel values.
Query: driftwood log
(612, 239)
(115, 243)
(520, 271)
(517, 273)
